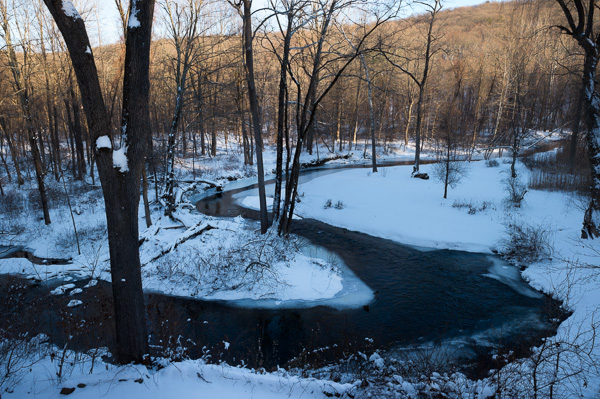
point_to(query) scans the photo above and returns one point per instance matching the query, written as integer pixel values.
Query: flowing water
(468, 302)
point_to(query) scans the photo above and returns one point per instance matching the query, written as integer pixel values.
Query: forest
(299, 198)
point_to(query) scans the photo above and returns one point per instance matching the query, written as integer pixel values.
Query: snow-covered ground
(186, 379)
(224, 260)
(387, 204)
(475, 217)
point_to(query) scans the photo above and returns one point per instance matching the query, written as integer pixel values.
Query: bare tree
(120, 162)
(289, 19)
(244, 8)
(22, 86)
(581, 26)
(325, 56)
(183, 29)
(419, 78)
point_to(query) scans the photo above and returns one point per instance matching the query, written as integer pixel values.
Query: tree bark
(254, 109)
(120, 183)
(282, 117)
(13, 153)
(591, 219)
(371, 114)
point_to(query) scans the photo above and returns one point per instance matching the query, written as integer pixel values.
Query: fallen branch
(188, 235)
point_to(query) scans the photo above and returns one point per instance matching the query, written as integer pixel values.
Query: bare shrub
(553, 171)
(516, 191)
(492, 163)
(16, 358)
(339, 205)
(14, 203)
(525, 243)
(450, 171)
(558, 181)
(240, 263)
(473, 207)
(560, 368)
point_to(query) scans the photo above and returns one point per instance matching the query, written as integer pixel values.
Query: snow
(73, 303)
(253, 202)
(103, 142)
(410, 211)
(287, 277)
(88, 50)
(186, 379)
(393, 205)
(387, 204)
(70, 10)
(120, 159)
(62, 289)
(133, 21)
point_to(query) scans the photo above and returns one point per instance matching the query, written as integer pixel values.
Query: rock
(423, 176)
(67, 391)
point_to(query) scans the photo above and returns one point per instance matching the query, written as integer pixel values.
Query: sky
(109, 20)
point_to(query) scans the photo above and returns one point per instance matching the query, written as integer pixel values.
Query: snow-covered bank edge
(56, 373)
(476, 218)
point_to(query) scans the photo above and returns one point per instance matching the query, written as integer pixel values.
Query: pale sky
(110, 28)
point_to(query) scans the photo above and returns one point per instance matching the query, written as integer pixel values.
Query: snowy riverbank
(387, 204)
(476, 218)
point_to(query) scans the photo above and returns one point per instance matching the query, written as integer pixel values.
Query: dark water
(421, 297)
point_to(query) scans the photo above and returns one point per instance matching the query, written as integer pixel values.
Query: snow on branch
(120, 159)
(70, 10)
(103, 142)
(133, 20)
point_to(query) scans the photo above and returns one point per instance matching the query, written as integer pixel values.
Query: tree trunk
(575, 129)
(418, 131)
(354, 131)
(408, 117)
(39, 174)
(78, 137)
(591, 219)
(8, 174)
(120, 180)
(254, 108)
(13, 153)
(371, 115)
(147, 213)
(281, 119)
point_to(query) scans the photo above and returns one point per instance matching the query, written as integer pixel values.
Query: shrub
(516, 191)
(473, 208)
(492, 163)
(525, 243)
(339, 205)
(328, 204)
(13, 204)
(558, 181)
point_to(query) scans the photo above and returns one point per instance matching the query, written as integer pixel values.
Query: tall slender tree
(420, 78)
(22, 86)
(244, 8)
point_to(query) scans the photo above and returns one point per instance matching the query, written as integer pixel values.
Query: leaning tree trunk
(119, 169)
